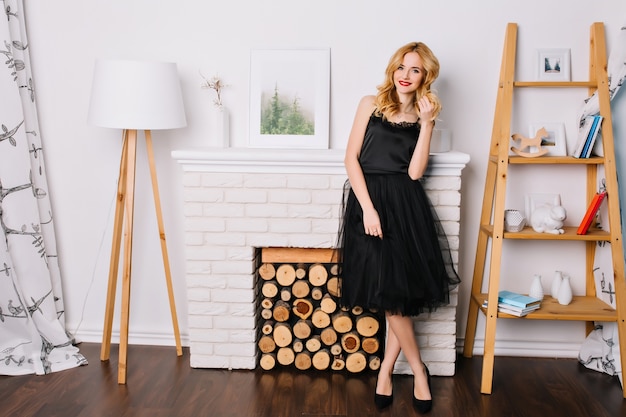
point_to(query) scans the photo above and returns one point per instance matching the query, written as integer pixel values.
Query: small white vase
(565, 292)
(514, 221)
(536, 289)
(221, 127)
(556, 284)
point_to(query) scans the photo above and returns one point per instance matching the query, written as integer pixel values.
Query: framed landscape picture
(555, 142)
(289, 98)
(553, 64)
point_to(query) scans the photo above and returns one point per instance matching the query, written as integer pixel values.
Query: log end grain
(356, 362)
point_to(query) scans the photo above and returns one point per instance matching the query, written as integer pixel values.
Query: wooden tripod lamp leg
(166, 263)
(129, 207)
(123, 232)
(115, 253)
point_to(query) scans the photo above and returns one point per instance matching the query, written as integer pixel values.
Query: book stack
(516, 304)
(587, 136)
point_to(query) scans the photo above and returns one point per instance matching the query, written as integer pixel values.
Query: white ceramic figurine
(548, 218)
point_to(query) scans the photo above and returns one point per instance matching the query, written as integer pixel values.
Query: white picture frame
(555, 143)
(534, 200)
(289, 98)
(553, 64)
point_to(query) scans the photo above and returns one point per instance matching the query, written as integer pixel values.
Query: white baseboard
(134, 338)
(522, 348)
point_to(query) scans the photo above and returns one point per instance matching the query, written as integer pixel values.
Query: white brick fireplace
(237, 200)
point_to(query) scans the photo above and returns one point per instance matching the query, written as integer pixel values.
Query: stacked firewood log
(302, 325)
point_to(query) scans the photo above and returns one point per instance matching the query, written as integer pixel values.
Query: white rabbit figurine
(548, 218)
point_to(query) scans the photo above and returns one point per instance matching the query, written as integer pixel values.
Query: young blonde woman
(394, 254)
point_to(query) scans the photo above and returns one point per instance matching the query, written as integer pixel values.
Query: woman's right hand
(371, 223)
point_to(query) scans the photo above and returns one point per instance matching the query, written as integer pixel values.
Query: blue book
(513, 310)
(591, 137)
(516, 299)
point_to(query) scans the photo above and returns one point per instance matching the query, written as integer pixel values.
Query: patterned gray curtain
(33, 338)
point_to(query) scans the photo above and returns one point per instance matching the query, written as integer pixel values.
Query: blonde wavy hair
(387, 101)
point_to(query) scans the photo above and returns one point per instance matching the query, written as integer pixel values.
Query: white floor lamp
(134, 95)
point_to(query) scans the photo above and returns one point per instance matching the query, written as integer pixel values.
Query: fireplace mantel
(294, 161)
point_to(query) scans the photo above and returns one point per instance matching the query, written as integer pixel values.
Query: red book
(592, 210)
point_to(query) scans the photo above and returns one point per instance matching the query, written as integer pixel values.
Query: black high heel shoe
(382, 401)
(423, 406)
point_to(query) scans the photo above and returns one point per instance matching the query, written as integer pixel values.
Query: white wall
(216, 37)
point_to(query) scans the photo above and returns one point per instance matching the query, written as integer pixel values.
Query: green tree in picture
(278, 117)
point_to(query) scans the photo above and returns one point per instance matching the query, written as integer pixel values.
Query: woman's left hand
(426, 109)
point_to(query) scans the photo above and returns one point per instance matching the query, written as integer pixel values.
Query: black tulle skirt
(407, 272)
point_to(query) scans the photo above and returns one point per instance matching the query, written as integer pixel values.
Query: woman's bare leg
(402, 328)
(392, 351)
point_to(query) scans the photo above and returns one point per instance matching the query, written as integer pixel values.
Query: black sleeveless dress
(410, 270)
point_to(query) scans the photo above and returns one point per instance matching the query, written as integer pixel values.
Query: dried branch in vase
(215, 84)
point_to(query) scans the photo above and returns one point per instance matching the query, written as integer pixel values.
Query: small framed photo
(289, 98)
(553, 65)
(555, 142)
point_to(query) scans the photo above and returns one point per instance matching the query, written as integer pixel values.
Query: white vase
(565, 292)
(514, 220)
(221, 127)
(556, 284)
(536, 289)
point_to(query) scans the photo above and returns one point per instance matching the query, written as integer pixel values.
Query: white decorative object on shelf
(221, 127)
(441, 141)
(220, 121)
(556, 284)
(530, 147)
(548, 219)
(215, 84)
(536, 288)
(514, 220)
(565, 291)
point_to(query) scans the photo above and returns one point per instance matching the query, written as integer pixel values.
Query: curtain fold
(33, 338)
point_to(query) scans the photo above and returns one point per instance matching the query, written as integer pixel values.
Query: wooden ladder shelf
(587, 308)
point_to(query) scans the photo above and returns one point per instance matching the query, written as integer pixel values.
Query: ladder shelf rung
(592, 235)
(550, 160)
(520, 160)
(582, 308)
(556, 84)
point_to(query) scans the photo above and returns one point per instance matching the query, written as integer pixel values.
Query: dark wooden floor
(160, 384)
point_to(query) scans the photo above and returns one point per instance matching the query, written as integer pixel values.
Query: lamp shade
(140, 95)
